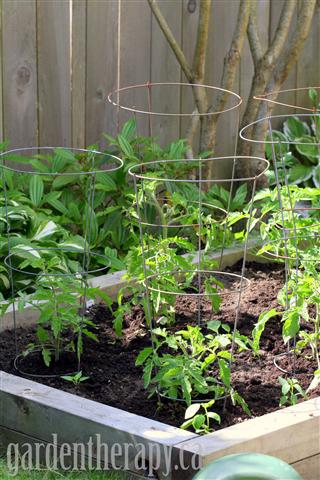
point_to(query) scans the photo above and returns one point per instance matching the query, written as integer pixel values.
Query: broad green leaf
(25, 250)
(45, 230)
(300, 173)
(294, 128)
(105, 179)
(52, 199)
(36, 189)
(316, 176)
(308, 148)
(63, 180)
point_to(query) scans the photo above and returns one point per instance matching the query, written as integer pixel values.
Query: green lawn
(47, 475)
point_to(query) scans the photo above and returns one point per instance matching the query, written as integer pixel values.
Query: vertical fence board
(102, 20)
(190, 16)
(165, 68)
(69, 83)
(78, 72)
(54, 77)
(135, 66)
(19, 73)
(223, 24)
(308, 66)
(1, 64)
(291, 82)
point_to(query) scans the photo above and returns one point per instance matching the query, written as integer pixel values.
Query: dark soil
(116, 381)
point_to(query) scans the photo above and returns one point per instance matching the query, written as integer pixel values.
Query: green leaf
(112, 256)
(147, 373)
(129, 129)
(285, 386)
(224, 372)
(186, 389)
(46, 354)
(308, 148)
(106, 180)
(56, 325)
(291, 324)
(192, 410)
(45, 230)
(313, 95)
(294, 128)
(143, 355)
(26, 251)
(299, 173)
(63, 180)
(214, 416)
(316, 176)
(259, 327)
(36, 189)
(52, 199)
(198, 421)
(125, 146)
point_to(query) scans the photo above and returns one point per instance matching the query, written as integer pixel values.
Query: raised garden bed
(36, 410)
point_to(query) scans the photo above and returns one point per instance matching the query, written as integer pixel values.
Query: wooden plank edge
(292, 434)
(39, 411)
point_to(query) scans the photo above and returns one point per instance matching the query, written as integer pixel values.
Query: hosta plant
(297, 148)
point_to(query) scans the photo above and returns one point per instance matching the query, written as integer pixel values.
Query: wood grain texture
(190, 17)
(291, 434)
(135, 66)
(1, 68)
(102, 44)
(78, 72)
(291, 82)
(308, 468)
(165, 68)
(308, 67)
(54, 73)
(38, 411)
(19, 72)
(221, 36)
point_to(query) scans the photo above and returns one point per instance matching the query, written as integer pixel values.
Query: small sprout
(76, 379)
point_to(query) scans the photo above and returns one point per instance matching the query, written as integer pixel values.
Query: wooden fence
(60, 58)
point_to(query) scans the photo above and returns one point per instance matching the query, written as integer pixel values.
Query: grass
(47, 475)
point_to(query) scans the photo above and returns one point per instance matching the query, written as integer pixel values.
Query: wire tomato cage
(296, 245)
(40, 172)
(177, 236)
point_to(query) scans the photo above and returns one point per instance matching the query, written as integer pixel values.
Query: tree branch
(253, 36)
(199, 59)
(171, 40)
(280, 37)
(233, 56)
(299, 37)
